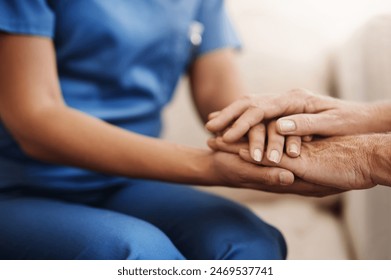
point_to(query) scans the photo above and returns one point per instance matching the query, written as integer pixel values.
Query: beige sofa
(280, 54)
(363, 73)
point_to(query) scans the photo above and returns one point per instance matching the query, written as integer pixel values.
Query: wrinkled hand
(302, 112)
(235, 172)
(343, 162)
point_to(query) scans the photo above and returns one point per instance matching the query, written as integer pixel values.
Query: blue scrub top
(118, 60)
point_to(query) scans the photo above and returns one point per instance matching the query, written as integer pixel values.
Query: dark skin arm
(33, 110)
(215, 82)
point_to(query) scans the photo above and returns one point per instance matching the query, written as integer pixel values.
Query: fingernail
(285, 178)
(287, 125)
(294, 149)
(257, 155)
(274, 156)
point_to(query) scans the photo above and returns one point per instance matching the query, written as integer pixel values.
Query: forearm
(215, 82)
(380, 159)
(65, 136)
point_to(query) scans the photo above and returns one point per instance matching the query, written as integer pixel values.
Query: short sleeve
(218, 31)
(29, 17)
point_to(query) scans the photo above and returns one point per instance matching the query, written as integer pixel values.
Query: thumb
(309, 124)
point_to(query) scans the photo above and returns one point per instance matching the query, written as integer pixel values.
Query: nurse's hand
(277, 144)
(256, 141)
(231, 170)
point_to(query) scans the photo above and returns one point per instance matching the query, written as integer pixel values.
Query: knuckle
(307, 123)
(274, 178)
(270, 178)
(258, 129)
(295, 92)
(300, 93)
(229, 115)
(253, 107)
(309, 104)
(247, 100)
(243, 176)
(242, 125)
(272, 130)
(247, 125)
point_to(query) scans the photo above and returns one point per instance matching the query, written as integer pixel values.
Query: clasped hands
(302, 143)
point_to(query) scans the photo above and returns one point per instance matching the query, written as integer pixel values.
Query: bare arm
(33, 110)
(215, 82)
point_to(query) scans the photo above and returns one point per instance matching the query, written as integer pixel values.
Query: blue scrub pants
(146, 220)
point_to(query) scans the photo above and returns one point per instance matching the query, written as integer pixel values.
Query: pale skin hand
(341, 162)
(32, 108)
(344, 162)
(299, 186)
(301, 113)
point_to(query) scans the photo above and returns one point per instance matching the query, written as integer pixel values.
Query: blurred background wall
(311, 44)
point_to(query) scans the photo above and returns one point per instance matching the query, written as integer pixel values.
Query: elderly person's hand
(345, 162)
(342, 162)
(301, 113)
(236, 172)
